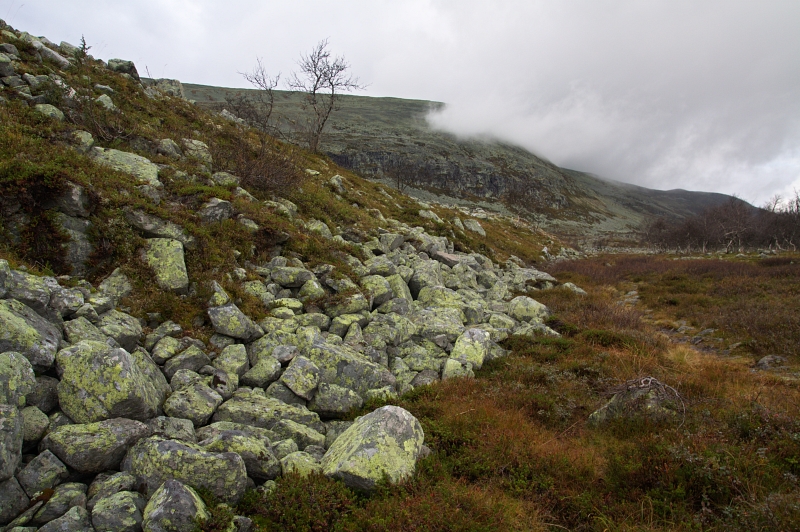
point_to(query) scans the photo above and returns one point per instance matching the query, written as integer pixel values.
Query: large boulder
(332, 401)
(140, 167)
(155, 460)
(386, 442)
(102, 382)
(64, 497)
(260, 462)
(75, 520)
(16, 378)
(260, 411)
(94, 447)
(174, 507)
(228, 320)
(345, 367)
(196, 402)
(165, 258)
(123, 328)
(523, 308)
(10, 440)
(120, 512)
(472, 346)
(25, 331)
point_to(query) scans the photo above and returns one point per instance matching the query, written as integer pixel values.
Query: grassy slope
(367, 130)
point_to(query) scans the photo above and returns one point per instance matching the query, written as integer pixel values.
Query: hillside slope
(383, 137)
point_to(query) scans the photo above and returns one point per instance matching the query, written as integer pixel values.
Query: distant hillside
(383, 137)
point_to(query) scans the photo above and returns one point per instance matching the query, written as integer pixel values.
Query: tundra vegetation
(519, 446)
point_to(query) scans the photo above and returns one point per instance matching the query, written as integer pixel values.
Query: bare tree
(256, 108)
(322, 78)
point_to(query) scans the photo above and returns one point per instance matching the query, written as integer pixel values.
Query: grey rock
(95, 447)
(331, 401)
(169, 148)
(196, 403)
(10, 440)
(44, 471)
(301, 434)
(139, 167)
(260, 462)
(122, 66)
(123, 328)
(105, 485)
(155, 460)
(34, 425)
(302, 377)
(66, 496)
(215, 210)
(17, 379)
(120, 512)
(168, 328)
(266, 371)
(228, 320)
(174, 507)
(198, 150)
(75, 520)
(264, 412)
(13, 500)
(24, 331)
(281, 392)
(474, 226)
(101, 382)
(154, 227)
(166, 258)
(192, 358)
(386, 442)
(49, 110)
(172, 428)
(233, 359)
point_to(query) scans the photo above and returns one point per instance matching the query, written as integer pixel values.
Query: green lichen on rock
(300, 463)
(384, 443)
(260, 462)
(101, 382)
(24, 331)
(94, 447)
(302, 377)
(165, 258)
(16, 378)
(130, 163)
(265, 412)
(228, 320)
(120, 512)
(523, 308)
(155, 460)
(346, 367)
(174, 507)
(472, 347)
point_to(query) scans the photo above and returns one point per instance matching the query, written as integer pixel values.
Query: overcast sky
(697, 94)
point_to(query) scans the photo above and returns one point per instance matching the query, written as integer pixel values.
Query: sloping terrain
(389, 139)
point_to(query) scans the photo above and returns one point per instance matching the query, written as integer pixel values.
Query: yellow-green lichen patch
(383, 444)
(165, 258)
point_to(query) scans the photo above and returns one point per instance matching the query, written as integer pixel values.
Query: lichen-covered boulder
(302, 377)
(81, 329)
(259, 461)
(523, 308)
(197, 149)
(123, 328)
(140, 167)
(426, 273)
(266, 371)
(472, 346)
(442, 321)
(13, 500)
(641, 398)
(474, 226)
(345, 367)
(291, 277)
(95, 447)
(120, 512)
(34, 425)
(386, 442)
(228, 320)
(391, 329)
(265, 412)
(378, 289)
(348, 304)
(332, 401)
(439, 296)
(16, 378)
(399, 287)
(215, 210)
(10, 440)
(174, 507)
(154, 460)
(165, 257)
(192, 358)
(300, 463)
(25, 331)
(101, 382)
(301, 434)
(233, 359)
(196, 402)
(66, 496)
(454, 369)
(172, 428)
(44, 471)
(75, 520)
(106, 485)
